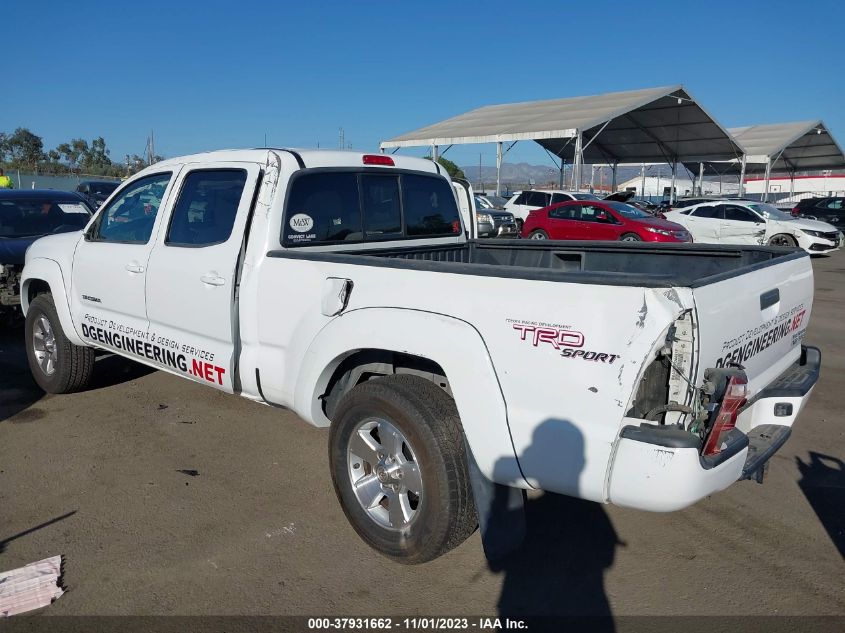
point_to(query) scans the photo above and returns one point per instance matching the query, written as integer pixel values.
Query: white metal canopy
(787, 147)
(778, 147)
(639, 126)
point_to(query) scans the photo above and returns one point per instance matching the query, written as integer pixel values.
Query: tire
(538, 234)
(630, 237)
(57, 365)
(782, 239)
(432, 503)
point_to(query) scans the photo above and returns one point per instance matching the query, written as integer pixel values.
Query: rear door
(563, 222)
(756, 319)
(740, 225)
(703, 223)
(192, 277)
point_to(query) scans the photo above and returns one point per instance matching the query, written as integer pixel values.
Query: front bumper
(662, 470)
(821, 245)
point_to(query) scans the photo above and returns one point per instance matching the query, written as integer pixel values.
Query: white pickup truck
(341, 285)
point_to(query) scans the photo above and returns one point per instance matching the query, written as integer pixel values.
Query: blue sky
(208, 75)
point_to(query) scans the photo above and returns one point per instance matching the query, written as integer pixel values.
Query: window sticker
(301, 223)
(73, 207)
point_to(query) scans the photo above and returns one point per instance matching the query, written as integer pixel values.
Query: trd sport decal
(562, 338)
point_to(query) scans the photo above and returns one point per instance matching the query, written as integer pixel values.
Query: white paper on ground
(31, 587)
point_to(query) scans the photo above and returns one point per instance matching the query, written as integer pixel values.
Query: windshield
(27, 218)
(584, 196)
(627, 210)
(481, 203)
(769, 211)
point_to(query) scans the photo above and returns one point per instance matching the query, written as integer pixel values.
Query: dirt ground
(166, 497)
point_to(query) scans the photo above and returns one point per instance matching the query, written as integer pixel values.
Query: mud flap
(501, 512)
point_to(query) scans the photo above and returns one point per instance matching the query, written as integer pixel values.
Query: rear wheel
(630, 237)
(57, 365)
(398, 465)
(783, 239)
(538, 234)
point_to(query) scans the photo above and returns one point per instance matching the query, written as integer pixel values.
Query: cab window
(130, 217)
(205, 211)
(346, 206)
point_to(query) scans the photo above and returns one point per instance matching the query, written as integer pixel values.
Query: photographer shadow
(558, 570)
(823, 484)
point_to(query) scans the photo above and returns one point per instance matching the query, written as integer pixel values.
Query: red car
(600, 220)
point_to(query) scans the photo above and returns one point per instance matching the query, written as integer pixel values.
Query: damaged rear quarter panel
(565, 403)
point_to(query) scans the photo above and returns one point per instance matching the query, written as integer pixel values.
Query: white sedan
(749, 222)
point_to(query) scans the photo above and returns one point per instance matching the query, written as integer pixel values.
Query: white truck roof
(311, 158)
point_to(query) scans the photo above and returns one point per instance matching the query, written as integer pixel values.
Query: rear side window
(706, 212)
(323, 208)
(340, 206)
(537, 199)
(207, 206)
(429, 207)
(560, 197)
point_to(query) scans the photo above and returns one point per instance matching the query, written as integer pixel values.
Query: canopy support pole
(672, 187)
(579, 160)
(791, 185)
(700, 179)
(613, 182)
(741, 178)
(499, 168)
(560, 178)
(642, 176)
(592, 178)
(434, 155)
(766, 183)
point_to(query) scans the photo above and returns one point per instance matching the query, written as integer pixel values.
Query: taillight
(725, 420)
(795, 212)
(378, 159)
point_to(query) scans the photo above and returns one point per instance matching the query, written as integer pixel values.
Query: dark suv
(830, 210)
(96, 191)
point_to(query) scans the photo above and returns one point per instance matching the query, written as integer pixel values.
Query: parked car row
(704, 219)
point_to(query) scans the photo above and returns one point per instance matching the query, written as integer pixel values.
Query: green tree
(25, 148)
(451, 168)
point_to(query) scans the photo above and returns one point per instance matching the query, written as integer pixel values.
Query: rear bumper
(662, 470)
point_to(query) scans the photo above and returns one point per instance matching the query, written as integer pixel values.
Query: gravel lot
(168, 498)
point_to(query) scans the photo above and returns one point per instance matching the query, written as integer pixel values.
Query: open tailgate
(755, 319)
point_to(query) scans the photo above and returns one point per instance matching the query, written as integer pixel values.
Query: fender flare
(49, 271)
(453, 344)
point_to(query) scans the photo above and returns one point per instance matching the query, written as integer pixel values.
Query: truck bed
(606, 263)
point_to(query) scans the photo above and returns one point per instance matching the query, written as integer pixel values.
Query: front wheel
(630, 237)
(783, 240)
(57, 365)
(539, 234)
(398, 465)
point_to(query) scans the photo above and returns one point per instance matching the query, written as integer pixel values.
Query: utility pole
(480, 182)
(341, 141)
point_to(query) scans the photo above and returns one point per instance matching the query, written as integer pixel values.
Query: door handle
(134, 268)
(212, 279)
